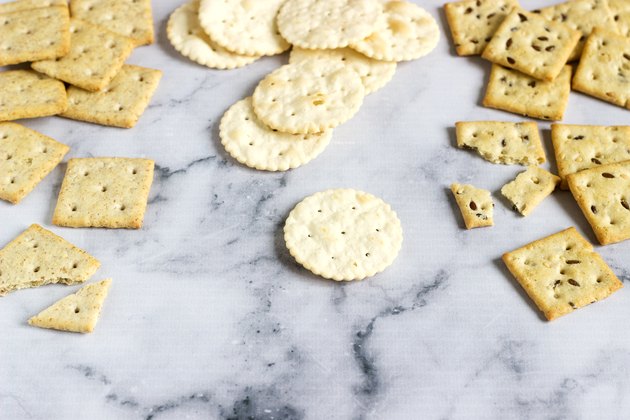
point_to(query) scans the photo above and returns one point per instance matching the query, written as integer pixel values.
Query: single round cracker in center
(310, 96)
(343, 234)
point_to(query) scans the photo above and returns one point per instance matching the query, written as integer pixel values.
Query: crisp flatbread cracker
(16, 6)
(475, 205)
(620, 10)
(27, 94)
(529, 189)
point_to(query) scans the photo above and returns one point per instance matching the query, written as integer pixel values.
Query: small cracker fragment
(133, 19)
(19, 5)
(77, 312)
(620, 10)
(96, 55)
(604, 69)
(473, 22)
(343, 234)
(513, 91)
(120, 104)
(309, 96)
(187, 36)
(104, 192)
(579, 147)
(245, 27)
(502, 142)
(327, 24)
(27, 94)
(529, 189)
(26, 157)
(603, 194)
(254, 144)
(581, 15)
(407, 32)
(38, 257)
(32, 35)
(475, 205)
(532, 45)
(561, 273)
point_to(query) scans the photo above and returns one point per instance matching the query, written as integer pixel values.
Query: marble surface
(209, 316)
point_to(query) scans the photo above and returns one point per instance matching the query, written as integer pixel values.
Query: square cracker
(529, 189)
(16, 6)
(96, 55)
(532, 45)
(26, 157)
(475, 205)
(27, 94)
(38, 257)
(603, 194)
(120, 104)
(502, 142)
(473, 22)
(620, 10)
(561, 273)
(31, 35)
(579, 147)
(129, 18)
(513, 91)
(604, 69)
(104, 192)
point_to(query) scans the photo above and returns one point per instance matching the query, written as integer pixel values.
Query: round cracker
(327, 24)
(254, 144)
(374, 73)
(343, 234)
(310, 96)
(407, 32)
(186, 35)
(245, 27)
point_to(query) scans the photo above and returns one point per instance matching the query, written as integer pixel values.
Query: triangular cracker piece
(38, 256)
(475, 204)
(76, 313)
(529, 189)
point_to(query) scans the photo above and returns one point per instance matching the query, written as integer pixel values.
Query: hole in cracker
(103, 189)
(12, 180)
(9, 157)
(75, 265)
(120, 107)
(86, 173)
(74, 208)
(378, 230)
(535, 180)
(122, 208)
(367, 254)
(36, 269)
(77, 310)
(35, 245)
(134, 171)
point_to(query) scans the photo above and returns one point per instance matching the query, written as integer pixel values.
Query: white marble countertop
(210, 317)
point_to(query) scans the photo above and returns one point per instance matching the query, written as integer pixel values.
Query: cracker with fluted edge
(529, 189)
(27, 94)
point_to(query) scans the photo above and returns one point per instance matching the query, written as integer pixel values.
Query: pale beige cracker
(561, 273)
(507, 143)
(408, 32)
(131, 18)
(581, 15)
(252, 143)
(374, 73)
(512, 91)
(327, 24)
(475, 204)
(187, 36)
(77, 312)
(119, 104)
(529, 189)
(620, 10)
(96, 56)
(603, 194)
(604, 69)
(310, 96)
(16, 6)
(532, 45)
(38, 257)
(27, 94)
(343, 234)
(104, 192)
(26, 157)
(473, 22)
(245, 27)
(579, 147)
(32, 35)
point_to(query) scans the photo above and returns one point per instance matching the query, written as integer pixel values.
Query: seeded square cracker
(516, 92)
(16, 6)
(473, 22)
(38, 257)
(603, 194)
(475, 205)
(502, 142)
(104, 192)
(604, 70)
(532, 45)
(529, 189)
(561, 273)
(27, 94)
(96, 56)
(579, 147)
(620, 10)
(26, 157)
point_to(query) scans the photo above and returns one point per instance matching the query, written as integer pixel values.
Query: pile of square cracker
(531, 75)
